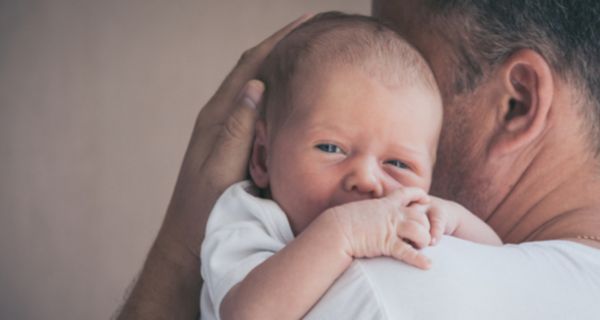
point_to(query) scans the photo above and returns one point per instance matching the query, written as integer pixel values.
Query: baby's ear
(258, 159)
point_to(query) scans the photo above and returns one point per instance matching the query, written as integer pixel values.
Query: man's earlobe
(258, 159)
(526, 101)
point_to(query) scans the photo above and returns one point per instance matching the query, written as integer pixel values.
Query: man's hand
(395, 226)
(219, 148)
(169, 284)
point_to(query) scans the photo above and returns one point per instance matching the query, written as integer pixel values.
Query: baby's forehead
(382, 55)
(344, 98)
(336, 81)
(334, 41)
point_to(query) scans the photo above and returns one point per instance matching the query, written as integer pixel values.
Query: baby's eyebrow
(404, 148)
(326, 127)
(414, 155)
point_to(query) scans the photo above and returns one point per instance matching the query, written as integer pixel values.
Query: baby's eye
(329, 148)
(398, 163)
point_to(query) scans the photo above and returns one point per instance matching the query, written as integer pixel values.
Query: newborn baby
(341, 165)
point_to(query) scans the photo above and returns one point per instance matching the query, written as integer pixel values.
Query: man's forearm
(169, 284)
(167, 288)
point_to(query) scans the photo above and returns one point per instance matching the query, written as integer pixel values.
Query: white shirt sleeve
(242, 232)
(537, 280)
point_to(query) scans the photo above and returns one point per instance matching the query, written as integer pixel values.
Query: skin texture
(380, 138)
(349, 168)
(168, 286)
(527, 170)
(545, 181)
(336, 237)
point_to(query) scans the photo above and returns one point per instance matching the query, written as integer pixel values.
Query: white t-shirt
(534, 280)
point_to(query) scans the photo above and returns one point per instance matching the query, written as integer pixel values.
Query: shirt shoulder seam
(383, 309)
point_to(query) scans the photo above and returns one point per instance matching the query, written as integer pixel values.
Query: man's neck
(552, 198)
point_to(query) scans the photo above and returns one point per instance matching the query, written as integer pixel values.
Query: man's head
(507, 71)
(352, 112)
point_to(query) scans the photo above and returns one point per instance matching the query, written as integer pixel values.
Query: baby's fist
(395, 226)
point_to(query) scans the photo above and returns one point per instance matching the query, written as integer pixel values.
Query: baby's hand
(395, 226)
(447, 217)
(443, 217)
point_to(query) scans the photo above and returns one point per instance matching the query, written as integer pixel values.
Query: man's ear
(258, 159)
(528, 88)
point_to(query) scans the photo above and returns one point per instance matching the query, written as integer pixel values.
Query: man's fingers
(275, 37)
(240, 124)
(246, 68)
(227, 163)
(406, 253)
(259, 52)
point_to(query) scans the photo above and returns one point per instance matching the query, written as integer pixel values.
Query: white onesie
(534, 280)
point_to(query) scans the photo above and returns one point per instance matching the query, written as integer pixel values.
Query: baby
(342, 159)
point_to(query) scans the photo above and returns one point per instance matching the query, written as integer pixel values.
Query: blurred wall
(97, 100)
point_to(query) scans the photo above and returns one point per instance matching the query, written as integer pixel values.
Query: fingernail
(252, 93)
(428, 264)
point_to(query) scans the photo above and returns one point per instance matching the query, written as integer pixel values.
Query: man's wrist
(169, 280)
(184, 224)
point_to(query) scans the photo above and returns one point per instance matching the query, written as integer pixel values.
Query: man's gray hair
(565, 32)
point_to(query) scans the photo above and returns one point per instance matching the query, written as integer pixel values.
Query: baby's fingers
(406, 196)
(437, 220)
(413, 234)
(414, 228)
(406, 253)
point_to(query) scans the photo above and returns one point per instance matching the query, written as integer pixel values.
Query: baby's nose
(364, 179)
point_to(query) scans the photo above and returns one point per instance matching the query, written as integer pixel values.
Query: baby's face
(350, 137)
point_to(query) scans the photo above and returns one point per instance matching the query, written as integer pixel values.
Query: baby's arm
(447, 217)
(290, 282)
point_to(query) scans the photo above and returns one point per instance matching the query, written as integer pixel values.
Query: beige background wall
(97, 99)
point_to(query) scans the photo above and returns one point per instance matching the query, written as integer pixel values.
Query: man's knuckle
(247, 55)
(212, 178)
(234, 127)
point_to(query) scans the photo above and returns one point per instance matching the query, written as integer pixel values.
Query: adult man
(519, 140)
(521, 103)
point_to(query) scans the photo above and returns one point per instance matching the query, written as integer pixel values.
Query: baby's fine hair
(339, 40)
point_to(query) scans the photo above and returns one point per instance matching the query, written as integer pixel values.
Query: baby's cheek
(306, 208)
(303, 207)
(302, 189)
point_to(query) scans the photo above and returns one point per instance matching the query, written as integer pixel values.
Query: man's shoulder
(352, 296)
(473, 281)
